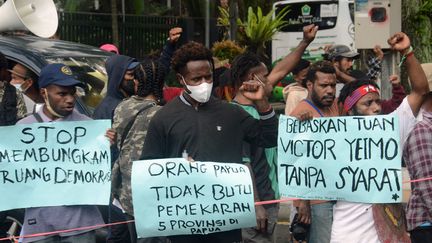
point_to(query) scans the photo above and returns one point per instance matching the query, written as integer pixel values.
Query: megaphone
(37, 16)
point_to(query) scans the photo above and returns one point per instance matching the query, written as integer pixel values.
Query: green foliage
(417, 23)
(226, 50)
(243, 5)
(259, 29)
(223, 19)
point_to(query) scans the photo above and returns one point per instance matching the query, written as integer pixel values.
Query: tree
(114, 22)
(257, 29)
(417, 23)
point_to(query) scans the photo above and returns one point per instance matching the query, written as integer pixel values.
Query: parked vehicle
(335, 19)
(86, 62)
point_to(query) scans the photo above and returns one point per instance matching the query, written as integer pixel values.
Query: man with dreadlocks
(206, 128)
(261, 161)
(12, 106)
(131, 119)
(364, 222)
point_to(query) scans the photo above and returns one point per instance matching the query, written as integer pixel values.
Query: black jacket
(213, 132)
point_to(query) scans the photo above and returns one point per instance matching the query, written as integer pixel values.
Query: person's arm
(417, 153)
(303, 206)
(375, 63)
(343, 77)
(419, 85)
(170, 47)
(290, 61)
(398, 94)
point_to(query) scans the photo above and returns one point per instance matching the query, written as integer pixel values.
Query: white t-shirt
(353, 222)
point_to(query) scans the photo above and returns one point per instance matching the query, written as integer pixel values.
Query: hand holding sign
(191, 198)
(345, 158)
(60, 157)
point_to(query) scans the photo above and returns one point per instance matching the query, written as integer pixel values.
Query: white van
(335, 20)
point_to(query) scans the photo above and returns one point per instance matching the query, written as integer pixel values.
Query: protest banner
(347, 158)
(53, 164)
(178, 197)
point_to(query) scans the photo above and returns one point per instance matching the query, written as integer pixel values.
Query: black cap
(341, 51)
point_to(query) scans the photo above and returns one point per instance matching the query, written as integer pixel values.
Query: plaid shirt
(374, 68)
(418, 158)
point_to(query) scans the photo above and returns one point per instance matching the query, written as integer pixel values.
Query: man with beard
(342, 58)
(321, 102)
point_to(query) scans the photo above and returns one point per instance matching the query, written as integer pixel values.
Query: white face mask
(49, 107)
(201, 92)
(19, 87)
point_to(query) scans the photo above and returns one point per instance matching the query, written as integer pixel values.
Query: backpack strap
(38, 117)
(314, 106)
(132, 121)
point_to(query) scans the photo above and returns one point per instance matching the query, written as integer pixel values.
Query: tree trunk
(114, 23)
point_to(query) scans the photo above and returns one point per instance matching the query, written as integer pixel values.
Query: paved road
(282, 234)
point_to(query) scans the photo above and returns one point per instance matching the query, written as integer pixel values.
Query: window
(91, 71)
(324, 14)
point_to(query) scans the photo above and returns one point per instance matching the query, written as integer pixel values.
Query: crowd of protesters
(195, 121)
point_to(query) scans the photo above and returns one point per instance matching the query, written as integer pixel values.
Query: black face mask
(129, 87)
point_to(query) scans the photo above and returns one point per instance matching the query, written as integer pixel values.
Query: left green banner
(53, 164)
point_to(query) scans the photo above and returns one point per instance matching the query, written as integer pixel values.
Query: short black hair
(358, 75)
(302, 64)
(191, 51)
(320, 66)
(241, 66)
(349, 88)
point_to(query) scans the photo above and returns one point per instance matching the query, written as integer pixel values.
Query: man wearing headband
(355, 221)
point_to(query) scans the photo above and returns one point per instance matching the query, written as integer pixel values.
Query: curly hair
(302, 64)
(241, 66)
(191, 51)
(150, 76)
(351, 86)
(320, 66)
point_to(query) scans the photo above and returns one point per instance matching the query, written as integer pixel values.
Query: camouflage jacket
(132, 145)
(21, 108)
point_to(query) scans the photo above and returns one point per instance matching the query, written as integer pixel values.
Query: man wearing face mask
(206, 128)
(121, 85)
(120, 71)
(25, 81)
(58, 87)
(12, 107)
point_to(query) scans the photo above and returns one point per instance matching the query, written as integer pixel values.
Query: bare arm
(290, 61)
(419, 84)
(343, 77)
